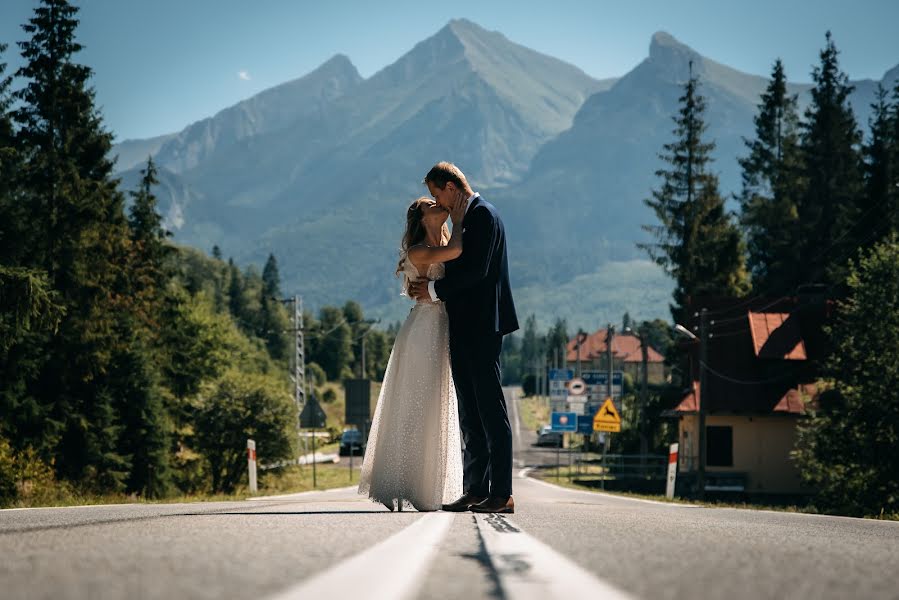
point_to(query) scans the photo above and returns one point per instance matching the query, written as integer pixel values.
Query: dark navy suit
(481, 311)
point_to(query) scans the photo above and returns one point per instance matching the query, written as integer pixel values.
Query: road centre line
(392, 569)
(529, 569)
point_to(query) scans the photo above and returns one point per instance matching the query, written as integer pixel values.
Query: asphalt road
(334, 544)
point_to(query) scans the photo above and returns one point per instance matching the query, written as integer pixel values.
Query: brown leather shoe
(495, 505)
(464, 503)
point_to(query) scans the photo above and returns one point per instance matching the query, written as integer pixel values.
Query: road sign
(563, 421)
(558, 383)
(585, 424)
(577, 387)
(598, 386)
(607, 418)
(672, 470)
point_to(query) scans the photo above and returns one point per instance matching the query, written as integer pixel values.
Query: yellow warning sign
(607, 418)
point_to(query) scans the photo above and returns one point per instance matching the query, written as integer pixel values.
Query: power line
(740, 381)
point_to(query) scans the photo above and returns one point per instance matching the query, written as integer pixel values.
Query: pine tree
(78, 236)
(147, 270)
(271, 280)
(237, 303)
(11, 218)
(216, 252)
(771, 187)
(830, 208)
(697, 244)
(880, 213)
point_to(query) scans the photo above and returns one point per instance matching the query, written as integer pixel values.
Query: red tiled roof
(625, 347)
(776, 335)
(792, 401)
(690, 402)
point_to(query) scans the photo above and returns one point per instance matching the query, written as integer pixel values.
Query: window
(719, 446)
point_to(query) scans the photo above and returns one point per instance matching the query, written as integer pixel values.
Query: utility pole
(581, 338)
(644, 395)
(703, 397)
(610, 334)
(299, 358)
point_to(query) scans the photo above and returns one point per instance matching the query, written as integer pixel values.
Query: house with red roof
(763, 361)
(627, 355)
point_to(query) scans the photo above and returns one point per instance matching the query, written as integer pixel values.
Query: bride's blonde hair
(416, 231)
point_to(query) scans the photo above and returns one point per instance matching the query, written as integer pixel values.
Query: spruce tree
(696, 242)
(771, 188)
(148, 268)
(832, 200)
(237, 304)
(880, 213)
(272, 319)
(78, 236)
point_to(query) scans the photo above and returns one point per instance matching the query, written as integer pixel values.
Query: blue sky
(163, 64)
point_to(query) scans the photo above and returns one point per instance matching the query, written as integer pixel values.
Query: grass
(287, 480)
(548, 474)
(534, 412)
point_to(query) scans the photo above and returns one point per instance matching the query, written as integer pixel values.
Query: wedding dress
(414, 452)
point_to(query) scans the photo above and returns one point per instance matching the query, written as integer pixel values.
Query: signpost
(577, 398)
(597, 383)
(563, 422)
(607, 419)
(558, 388)
(672, 470)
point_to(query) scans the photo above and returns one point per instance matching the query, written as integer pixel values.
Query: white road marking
(529, 569)
(298, 495)
(390, 570)
(559, 488)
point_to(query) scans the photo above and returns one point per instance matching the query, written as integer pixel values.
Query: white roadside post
(672, 470)
(251, 463)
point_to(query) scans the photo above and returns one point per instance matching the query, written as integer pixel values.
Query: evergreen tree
(880, 214)
(147, 271)
(830, 207)
(531, 345)
(557, 342)
(80, 233)
(771, 188)
(12, 230)
(697, 244)
(237, 303)
(271, 280)
(216, 252)
(335, 344)
(847, 449)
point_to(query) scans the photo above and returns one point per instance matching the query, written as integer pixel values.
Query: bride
(414, 452)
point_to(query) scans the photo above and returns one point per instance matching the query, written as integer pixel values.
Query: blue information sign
(564, 421)
(585, 424)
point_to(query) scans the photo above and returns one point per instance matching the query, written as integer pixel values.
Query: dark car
(351, 443)
(547, 437)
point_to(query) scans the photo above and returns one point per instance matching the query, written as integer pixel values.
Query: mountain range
(320, 169)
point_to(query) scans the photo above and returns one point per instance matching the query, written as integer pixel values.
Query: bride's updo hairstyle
(415, 229)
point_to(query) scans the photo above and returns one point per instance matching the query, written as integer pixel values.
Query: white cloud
(244, 75)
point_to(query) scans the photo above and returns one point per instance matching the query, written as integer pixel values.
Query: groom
(479, 304)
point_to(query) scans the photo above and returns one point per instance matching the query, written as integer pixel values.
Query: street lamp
(703, 394)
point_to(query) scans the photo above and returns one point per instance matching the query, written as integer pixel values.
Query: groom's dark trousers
(479, 303)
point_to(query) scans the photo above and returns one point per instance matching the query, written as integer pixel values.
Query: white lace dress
(414, 451)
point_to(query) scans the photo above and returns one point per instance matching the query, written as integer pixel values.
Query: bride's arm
(424, 254)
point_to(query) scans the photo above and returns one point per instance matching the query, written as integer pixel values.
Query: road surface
(333, 544)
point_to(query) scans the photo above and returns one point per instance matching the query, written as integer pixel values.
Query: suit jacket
(476, 286)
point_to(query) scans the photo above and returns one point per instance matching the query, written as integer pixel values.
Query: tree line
(818, 209)
(129, 364)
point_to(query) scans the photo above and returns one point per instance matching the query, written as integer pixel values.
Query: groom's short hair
(444, 172)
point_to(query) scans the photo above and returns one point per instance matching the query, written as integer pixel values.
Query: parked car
(351, 442)
(547, 437)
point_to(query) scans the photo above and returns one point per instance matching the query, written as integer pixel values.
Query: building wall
(761, 449)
